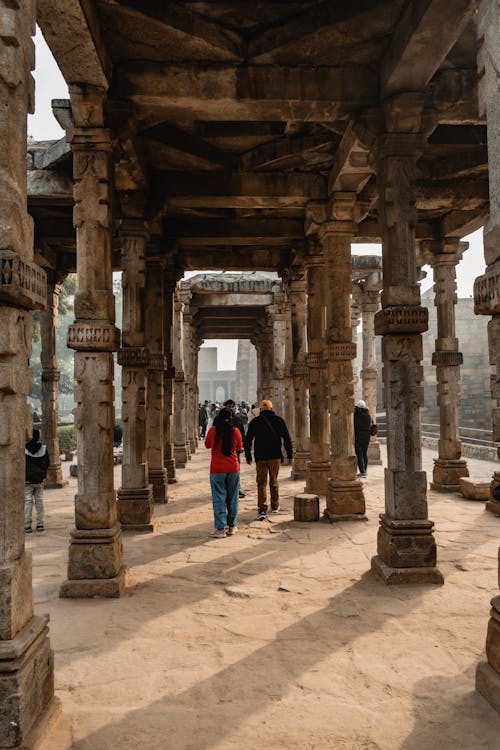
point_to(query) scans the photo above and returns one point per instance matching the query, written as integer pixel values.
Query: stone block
(26, 681)
(73, 470)
(136, 508)
(16, 596)
(392, 576)
(106, 588)
(306, 507)
(95, 554)
(406, 544)
(473, 489)
(345, 501)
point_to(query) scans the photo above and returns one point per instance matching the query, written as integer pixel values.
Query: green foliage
(67, 437)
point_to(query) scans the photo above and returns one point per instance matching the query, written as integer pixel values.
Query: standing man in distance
(267, 433)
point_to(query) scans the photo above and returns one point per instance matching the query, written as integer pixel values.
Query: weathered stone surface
(95, 553)
(306, 507)
(474, 490)
(392, 576)
(406, 544)
(447, 474)
(345, 500)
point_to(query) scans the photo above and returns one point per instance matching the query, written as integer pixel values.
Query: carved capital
(50, 375)
(90, 139)
(342, 350)
(93, 337)
(447, 359)
(315, 359)
(299, 369)
(133, 356)
(22, 283)
(404, 319)
(157, 362)
(487, 293)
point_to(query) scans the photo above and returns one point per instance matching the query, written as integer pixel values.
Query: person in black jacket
(37, 464)
(362, 432)
(267, 433)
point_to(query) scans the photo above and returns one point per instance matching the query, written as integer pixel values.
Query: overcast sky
(42, 126)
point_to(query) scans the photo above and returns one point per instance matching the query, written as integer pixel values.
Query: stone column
(181, 448)
(187, 322)
(135, 496)
(369, 301)
(26, 663)
(487, 294)
(277, 321)
(267, 362)
(449, 466)
(49, 323)
(318, 468)
(289, 407)
(355, 321)
(169, 284)
(297, 292)
(155, 330)
(406, 546)
(95, 566)
(345, 499)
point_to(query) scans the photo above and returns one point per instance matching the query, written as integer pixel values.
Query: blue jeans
(362, 456)
(225, 490)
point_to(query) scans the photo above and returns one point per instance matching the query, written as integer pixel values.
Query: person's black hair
(36, 435)
(229, 402)
(224, 431)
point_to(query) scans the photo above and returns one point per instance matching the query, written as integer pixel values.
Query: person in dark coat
(267, 433)
(37, 464)
(362, 432)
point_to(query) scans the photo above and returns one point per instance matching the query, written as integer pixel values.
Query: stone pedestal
(407, 552)
(447, 474)
(95, 554)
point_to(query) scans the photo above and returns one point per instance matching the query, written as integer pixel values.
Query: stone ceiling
(230, 117)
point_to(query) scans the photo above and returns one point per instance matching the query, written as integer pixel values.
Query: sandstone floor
(278, 637)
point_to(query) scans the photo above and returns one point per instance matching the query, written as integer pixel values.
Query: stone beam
(322, 18)
(425, 34)
(231, 299)
(264, 92)
(212, 37)
(239, 190)
(466, 162)
(50, 157)
(50, 185)
(181, 141)
(462, 223)
(223, 231)
(71, 29)
(228, 258)
(284, 152)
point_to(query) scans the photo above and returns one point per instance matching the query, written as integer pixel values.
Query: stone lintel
(447, 359)
(392, 576)
(401, 319)
(22, 282)
(91, 588)
(133, 356)
(93, 336)
(487, 293)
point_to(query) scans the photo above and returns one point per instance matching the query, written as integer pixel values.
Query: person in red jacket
(225, 442)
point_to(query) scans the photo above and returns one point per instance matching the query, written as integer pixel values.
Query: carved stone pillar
(267, 362)
(169, 284)
(355, 321)
(406, 546)
(487, 294)
(345, 499)
(187, 322)
(135, 496)
(449, 466)
(26, 663)
(369, 301)
(277, 318)
(297, 292)
(289, 408)
(318, 468)
(95, 566)
(155, 336)
(181, 448)
(49, 323)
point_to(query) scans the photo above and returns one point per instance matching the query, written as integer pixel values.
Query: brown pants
(270, 466)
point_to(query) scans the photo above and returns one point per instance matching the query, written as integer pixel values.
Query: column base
(408, 544)
(92, 588)
(181, 455)
(136, 509)
(488, 684)
(54, 479)
(169, 464)
(391, 576)
(158, 479)
(493, 506)
(95, 566)
(299, 466)
(446, 474)
(317, 474)
(192, 445)
(374, 454)
(26, 681)
(345, 501)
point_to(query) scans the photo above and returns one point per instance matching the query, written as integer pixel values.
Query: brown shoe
(232, 530)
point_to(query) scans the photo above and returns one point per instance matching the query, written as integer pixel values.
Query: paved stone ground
(277, 637)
